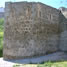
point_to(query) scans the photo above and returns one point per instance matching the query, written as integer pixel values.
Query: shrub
(1, 37)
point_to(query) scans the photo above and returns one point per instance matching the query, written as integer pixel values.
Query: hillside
(1, 12)
(1, 9)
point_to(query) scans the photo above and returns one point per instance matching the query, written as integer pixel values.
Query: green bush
(1, 37)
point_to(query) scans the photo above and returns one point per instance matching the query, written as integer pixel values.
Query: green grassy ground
(46, 64)
(1, 37)
(54, 64)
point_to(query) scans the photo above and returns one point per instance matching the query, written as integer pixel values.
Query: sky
(53, 3)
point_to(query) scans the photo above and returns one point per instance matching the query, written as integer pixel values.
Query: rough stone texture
(57, 56)
(63, 41)
(31, 29)
(63, 34)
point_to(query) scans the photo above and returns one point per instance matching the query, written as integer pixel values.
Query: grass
(1, 37)
(45, 64)
(54, 64)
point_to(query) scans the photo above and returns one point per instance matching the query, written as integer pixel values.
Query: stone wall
(63, 35)
(31, 29)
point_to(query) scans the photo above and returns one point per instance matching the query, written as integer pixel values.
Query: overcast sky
(53, 3)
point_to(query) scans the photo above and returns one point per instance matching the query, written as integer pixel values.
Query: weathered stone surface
(63, 34)
(63, 41)
(31, 29)
(57, 56)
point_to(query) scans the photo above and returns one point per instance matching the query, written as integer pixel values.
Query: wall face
(31, 29)
(63, 35)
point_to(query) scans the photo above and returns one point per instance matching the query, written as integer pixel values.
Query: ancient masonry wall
(63, 34)
(31, 29)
